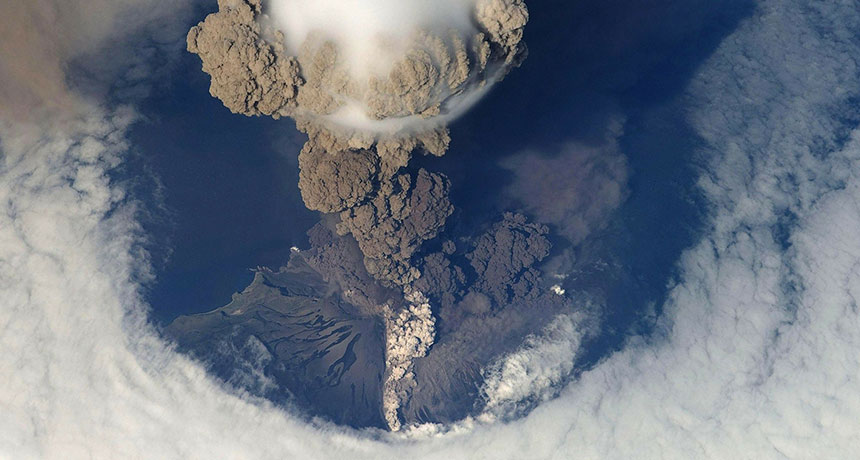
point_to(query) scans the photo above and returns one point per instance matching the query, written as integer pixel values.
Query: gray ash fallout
(388, 319)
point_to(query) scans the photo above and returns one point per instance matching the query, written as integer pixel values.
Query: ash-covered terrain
(289, 338)
(312, 335)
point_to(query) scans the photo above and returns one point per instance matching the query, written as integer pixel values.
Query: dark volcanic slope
(290, 337)
(310, 334)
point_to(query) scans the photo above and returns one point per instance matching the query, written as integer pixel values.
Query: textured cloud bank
(757, 358)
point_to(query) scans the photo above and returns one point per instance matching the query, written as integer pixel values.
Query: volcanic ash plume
(370, 83)
(385, 66)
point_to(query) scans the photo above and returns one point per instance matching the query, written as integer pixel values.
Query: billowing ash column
(370, 83)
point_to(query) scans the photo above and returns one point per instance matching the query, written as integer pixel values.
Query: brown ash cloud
(363, 126)
(346, 166)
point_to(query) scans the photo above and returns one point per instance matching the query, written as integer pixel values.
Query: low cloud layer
(534, 372)
(756, 355)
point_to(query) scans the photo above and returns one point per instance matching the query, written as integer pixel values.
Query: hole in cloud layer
(755, 354)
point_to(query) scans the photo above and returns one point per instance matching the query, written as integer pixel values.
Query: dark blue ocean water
(229, 199)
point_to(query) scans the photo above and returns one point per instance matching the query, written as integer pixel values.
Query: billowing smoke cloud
(380, 67)
(758, 357)
(503, 258)
(390, 228)
(369, 83)
(364, 81)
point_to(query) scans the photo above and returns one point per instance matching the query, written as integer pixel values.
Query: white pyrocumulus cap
(382, 67)
(368, 32)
